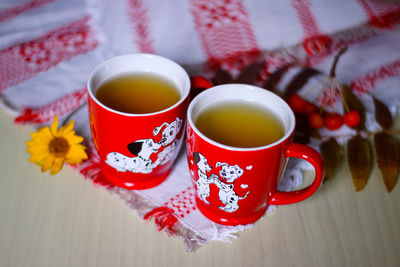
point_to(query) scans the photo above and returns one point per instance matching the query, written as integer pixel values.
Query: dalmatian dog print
(224, 182)
(229, 172)
(170, 131)
(228, 196)
(204, 181)
(143, 149)
(142, 163)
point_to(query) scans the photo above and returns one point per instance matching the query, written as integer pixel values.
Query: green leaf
(388, 158)
(332, 154)
(359, 158)
(354, 103)
(382, 114)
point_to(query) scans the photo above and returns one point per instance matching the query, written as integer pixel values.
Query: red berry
(309, 108)
(297, 103)
(352, 118)
(333, 121)
(315, 120)
(200, 82)
(198, 85)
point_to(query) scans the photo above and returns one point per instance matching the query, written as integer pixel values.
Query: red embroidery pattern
(137, 13)
(183, 203)
(23, 61)
(9, 13)
(275, 60)
(381, 14)
(338, 42)
(60, 107)
(368, 81)
(164, 218)
(314, 42)
(225, 31)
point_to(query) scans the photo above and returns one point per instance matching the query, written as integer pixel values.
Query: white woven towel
(49, 47)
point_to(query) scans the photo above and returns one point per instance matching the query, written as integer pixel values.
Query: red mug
(137, 151)
(236, 185)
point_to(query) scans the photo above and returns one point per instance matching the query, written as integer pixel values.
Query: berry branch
(331, 120)
(332, 72)
(310, 118)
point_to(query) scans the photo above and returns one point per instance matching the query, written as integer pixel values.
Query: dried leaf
(315, 134)
(354, 103)
(388, 158)
(273, 79)
(382, 114)
(300, 80)
(249, 74)
(221, 77)
(302, 131)
(359, 158)
(332, 154)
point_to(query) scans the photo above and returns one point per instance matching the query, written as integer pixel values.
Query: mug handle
(197, 85)
(307, 153)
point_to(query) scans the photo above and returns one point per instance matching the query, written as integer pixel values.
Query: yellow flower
(50, 147)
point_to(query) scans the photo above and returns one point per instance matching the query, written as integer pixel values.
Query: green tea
(240, 124)
(138, 93)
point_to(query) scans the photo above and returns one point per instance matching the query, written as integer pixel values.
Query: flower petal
(75, 139)
(46, 131)
(38, 157)
(36, 149)
(48, 162)
(57, 165)
(31, 143)
(76, 154)
(54, 126)
(67, 128)
(73, 159)
(42, 136)
(69, 134)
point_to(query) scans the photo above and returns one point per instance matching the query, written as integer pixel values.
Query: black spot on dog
(135, 147)
(196, 156)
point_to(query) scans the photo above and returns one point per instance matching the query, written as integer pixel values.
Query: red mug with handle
(235, 185)
(137, 151)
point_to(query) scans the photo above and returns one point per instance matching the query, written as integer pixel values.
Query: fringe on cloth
(165, 219)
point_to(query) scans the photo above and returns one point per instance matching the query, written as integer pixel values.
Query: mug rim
(212, 90)
(183, 97)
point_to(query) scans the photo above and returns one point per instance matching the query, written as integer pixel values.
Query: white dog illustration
(229, 172)
(228, 196)
(169, 152)
(203, 183)
(118, 161)
(169, 133)
(142, 163)
(143, 149)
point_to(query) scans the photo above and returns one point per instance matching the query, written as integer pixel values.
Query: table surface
(64, 220)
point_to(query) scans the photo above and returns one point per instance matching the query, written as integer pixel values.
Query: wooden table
(64, 220)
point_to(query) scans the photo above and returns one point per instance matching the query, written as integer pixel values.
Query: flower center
(59, 147)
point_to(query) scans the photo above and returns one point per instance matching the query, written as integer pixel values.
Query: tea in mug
(240, 124)
(138, 93)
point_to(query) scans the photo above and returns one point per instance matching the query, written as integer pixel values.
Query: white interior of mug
(249, 94)
(141, 63)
